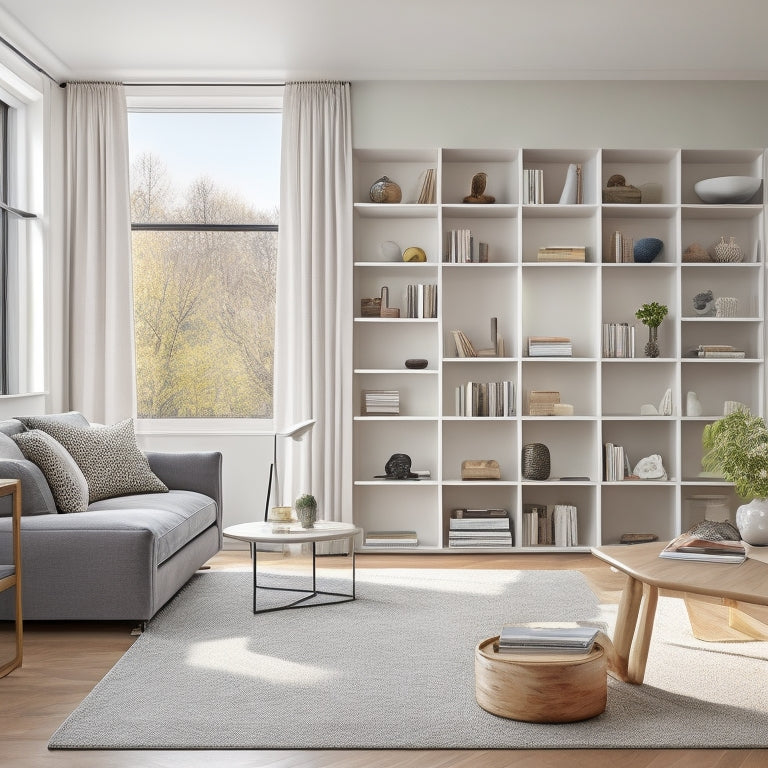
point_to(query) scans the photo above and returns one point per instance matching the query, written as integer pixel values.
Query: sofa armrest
(36, 496)
(190, 471)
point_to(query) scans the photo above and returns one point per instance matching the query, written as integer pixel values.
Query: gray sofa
(124, 557)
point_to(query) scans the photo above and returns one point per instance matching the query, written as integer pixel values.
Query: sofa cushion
(73, 418)
(36, 497)
(8, 448)
(64, 477)
(11, 427)
(109, 457)
(173, 518)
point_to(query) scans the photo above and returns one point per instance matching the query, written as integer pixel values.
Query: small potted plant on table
(306, 510)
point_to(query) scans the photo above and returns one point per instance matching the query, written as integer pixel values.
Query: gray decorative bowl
(727, 189)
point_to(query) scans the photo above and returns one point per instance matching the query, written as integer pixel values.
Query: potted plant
(652, 315)
(736, 446)
(306, 510)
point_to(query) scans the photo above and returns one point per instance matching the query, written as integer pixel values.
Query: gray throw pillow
(109, 457)
(65, 479)
(74, 418)
(9, 449)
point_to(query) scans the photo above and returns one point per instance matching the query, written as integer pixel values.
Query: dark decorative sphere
(647, 249)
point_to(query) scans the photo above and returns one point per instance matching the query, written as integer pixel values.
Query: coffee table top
(747, 581)
(323, 530)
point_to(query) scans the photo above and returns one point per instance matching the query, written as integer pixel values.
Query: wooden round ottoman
(541, 688)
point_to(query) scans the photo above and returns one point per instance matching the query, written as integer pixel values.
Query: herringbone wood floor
(62, 662)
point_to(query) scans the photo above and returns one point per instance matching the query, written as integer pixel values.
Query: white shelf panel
(396, 211)
(480, 210)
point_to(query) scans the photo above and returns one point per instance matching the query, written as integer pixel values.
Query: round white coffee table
(265, 533)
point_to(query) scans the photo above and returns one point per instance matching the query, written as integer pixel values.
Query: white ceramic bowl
(727, 189)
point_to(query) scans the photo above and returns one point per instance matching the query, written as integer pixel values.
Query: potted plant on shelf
(651, 315)
(736, 446)
(306, 510)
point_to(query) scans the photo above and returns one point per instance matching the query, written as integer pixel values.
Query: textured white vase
(752, 522)
(692, 406)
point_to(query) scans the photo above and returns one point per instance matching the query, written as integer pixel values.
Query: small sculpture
(477, 190)
(384, 190)
(650, 468)
(414, 253)
(704, 304)
(398, 467)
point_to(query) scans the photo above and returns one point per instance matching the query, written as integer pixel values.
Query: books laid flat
(526, 639)
(689, 546)
(391, 539)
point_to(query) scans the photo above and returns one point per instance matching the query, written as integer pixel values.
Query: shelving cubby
(533, 298)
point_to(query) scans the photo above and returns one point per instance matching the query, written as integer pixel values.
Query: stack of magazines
(690, 546)
(570, 640)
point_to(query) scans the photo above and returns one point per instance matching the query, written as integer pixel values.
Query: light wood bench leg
(626, 621)
(642, 642)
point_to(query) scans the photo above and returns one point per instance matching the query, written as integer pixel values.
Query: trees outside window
(204, 281)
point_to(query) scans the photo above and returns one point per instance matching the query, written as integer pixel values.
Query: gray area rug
(395, 670)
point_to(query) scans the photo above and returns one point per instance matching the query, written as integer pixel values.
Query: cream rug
(395, 670)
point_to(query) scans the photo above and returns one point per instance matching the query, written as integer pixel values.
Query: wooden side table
(10, 574)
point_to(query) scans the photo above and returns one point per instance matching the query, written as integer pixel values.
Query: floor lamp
(295, 432)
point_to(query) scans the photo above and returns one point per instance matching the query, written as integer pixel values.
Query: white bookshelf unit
(570, 299)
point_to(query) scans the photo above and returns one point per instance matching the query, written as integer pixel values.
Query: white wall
(618, 114)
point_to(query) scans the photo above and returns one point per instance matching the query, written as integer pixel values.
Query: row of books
(616, 462)
(562, 253)
(565, 523)
(549, 346)
(544, 525)
(380, 401)
(421, 300)
(533, 186)
(391, 539)
(493, 398)
(547, 639)
(462, 248)
(721, 351)
(465, 348)
(483, 528)
(618, 340)
(621, 249)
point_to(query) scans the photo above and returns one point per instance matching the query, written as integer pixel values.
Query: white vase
(693, 406)
(752, 522)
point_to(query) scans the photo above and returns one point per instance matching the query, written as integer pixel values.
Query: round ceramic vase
(752, 522)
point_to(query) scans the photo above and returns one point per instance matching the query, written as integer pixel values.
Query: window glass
(205, 198)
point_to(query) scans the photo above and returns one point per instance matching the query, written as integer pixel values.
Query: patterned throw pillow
(109, 457)
(65, 479)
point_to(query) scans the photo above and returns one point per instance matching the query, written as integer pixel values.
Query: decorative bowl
(647, 249)
(727, 189)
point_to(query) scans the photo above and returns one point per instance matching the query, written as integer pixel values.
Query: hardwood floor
(62, 663)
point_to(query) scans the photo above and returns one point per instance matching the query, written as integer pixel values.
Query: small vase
(693, 405)
(652, 347)
(752, 522)
(535, 462)
(307, 516)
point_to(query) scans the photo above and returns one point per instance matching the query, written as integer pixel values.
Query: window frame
(200, 99)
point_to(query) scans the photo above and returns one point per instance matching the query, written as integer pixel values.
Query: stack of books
(542, 403)
(618, 340)
(549, 346)
(391, 539)
(616, 463)
(421, 300)
(480, 528)
(565, 522)
(721, 351)
(689, 546)
(380, 402)
(533, 186)
(464, 347)
(494, 398)
(563, 253)
(569, 640)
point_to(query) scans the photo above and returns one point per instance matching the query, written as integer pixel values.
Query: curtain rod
(198, 85)
(29, 61)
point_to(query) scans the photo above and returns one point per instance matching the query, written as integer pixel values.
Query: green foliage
(203, 303)
(736, 446)
(652, 314)
(307, 501)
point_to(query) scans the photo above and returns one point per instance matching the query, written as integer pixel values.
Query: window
(205, 199)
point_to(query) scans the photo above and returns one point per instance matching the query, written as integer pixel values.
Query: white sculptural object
(650, 468)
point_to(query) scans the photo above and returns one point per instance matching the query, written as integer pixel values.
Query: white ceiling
(258, 41)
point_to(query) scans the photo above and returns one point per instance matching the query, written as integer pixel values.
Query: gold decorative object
(414, 254)
(477, 190)
(480, 469)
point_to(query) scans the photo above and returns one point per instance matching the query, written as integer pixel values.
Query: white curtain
(99, 314)
(313, 335)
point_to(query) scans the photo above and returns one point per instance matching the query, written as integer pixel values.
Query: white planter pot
(752, 522)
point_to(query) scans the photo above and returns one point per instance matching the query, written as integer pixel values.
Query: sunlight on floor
(232, 655)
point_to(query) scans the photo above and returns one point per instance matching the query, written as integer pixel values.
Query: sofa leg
(139, 629)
